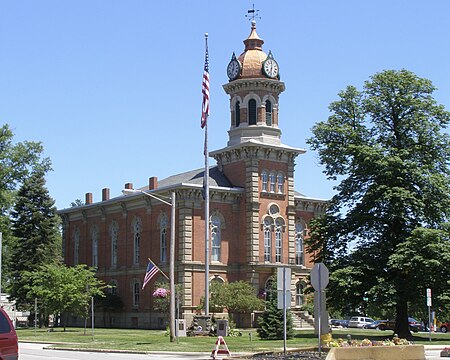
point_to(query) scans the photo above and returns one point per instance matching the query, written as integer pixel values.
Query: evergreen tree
(37, 237)
(17, 161)
(271, 322)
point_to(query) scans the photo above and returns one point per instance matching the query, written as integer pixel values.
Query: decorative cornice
(318, 206)
(255, 151)
(254, 84)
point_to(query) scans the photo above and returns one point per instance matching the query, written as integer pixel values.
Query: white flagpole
(207, 255)
(206, 185)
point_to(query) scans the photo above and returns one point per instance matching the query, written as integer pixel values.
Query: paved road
(31, 351)
(28, 351)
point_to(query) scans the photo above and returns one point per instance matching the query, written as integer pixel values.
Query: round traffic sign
(319, 276)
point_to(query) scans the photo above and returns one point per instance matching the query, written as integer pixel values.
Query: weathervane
(253, 14)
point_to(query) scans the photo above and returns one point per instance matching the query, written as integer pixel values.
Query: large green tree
(387, 148)
(63, 290)
(17, 161)
(37, 236)
(235, 297)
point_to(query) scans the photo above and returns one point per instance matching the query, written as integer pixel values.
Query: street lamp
(172, 253)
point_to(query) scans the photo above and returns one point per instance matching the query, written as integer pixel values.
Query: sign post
(429, 311)
(284, 295)
(319, 281)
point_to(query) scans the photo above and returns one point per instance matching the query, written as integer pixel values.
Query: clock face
(270, 68)
(233, 69)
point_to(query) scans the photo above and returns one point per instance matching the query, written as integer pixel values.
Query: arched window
(299, 294)
(215, 238)
(299, 229)
(237, 113)
(113, 287)
(76, 246)
(163, 238)
(280, 183)
(136, 293)
(94, 237)
(278, 239)
(268, 239)
(273, 181)
(252, 112)
(114, 233)
(269, 287)
(137, 229)
(264, 181)
(268, 113)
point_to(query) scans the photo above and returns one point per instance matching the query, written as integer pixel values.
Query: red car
(445, 326)
(9, 349)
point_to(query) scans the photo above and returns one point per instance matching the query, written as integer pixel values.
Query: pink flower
(161, 293)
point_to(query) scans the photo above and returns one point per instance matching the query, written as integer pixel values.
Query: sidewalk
(433, 352)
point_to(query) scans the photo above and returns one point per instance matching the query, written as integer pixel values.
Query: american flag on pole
(151, 271)
(205, 87)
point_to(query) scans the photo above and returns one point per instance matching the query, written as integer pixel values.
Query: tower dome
(253, 56)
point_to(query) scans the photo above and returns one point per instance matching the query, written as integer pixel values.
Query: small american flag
(151, 271)
(205, 88)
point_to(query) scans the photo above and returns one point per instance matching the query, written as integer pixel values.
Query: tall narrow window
(278, 239)
(137, 225)
(268, 113)
(264, 181)
(237, 113)
(267, 239)
(114, 232)
(113, 287)
(215, 238)
(299, 295)
(76, 246)
(136, 293)
(299, 244)
(273, 181)
(252, 112)
(280, 183)
(94, 236)
(163, 239)
(269, 287)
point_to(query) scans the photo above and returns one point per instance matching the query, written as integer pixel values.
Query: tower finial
(253, 14)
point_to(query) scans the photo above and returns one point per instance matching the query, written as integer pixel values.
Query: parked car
(9, 349)
(445, 326)
(414, 325)
(344, 323)
(374, 325)
(359, 321)
(339, 323)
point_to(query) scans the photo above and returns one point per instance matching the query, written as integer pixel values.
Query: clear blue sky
(113, 88)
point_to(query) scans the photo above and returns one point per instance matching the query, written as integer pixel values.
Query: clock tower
(256, 160)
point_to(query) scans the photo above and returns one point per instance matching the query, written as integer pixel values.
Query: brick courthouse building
(257, 220)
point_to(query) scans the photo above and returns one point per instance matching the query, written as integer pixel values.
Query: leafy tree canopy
(61, 289)
(236, 297)
(387, 148)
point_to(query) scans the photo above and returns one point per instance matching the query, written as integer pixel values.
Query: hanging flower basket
(161, 293)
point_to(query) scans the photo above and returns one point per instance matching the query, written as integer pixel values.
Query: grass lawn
(156, 340)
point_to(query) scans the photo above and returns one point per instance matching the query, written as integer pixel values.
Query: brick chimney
(129, 186)
(105, 194)
(153, 183)
(88, 198)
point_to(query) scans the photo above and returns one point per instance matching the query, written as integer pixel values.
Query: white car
(359, 321)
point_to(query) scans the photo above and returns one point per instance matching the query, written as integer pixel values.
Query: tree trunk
(401, 323)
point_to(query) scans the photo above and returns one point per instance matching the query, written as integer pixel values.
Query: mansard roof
(195, 177)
